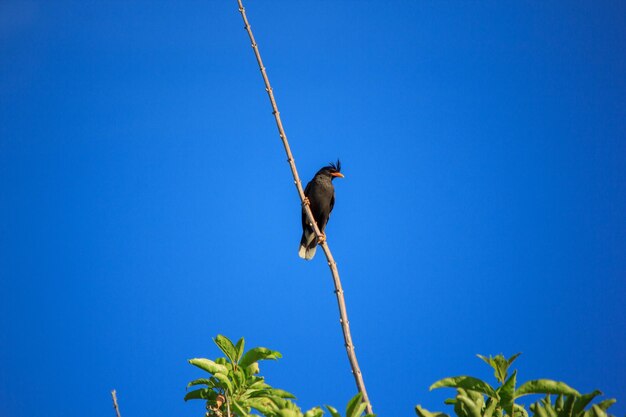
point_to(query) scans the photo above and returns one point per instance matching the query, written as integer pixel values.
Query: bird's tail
(308, 245)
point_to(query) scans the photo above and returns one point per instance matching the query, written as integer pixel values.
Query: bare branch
(117, 409)
(345, 325)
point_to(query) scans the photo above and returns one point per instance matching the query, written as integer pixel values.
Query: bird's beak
(337, 174)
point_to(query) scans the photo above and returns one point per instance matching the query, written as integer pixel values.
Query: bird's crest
(335, 167)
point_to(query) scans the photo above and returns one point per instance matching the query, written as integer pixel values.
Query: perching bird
(320, 194)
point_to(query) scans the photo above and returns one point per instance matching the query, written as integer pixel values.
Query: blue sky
(146, 204)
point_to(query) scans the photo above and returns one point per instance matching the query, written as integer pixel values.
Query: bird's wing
(307, 191)
(325, 215)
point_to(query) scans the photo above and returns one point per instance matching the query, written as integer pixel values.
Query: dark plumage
(321, 195)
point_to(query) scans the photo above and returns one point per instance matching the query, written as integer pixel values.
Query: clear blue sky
(146, 204)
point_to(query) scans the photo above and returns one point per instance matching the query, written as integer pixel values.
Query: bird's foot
(321, 239)
(306, 201)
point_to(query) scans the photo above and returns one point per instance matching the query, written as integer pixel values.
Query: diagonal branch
(115, 406)
(345, 325)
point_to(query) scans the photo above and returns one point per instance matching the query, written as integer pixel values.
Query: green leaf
(597, 411)
(477, 397)
(259, 383)
(314, 412)
(263, 405)
(224, 379)
(583, 401)
(549, 408)
(281, 393)
(538, 410)
(491, 406)
(256, 354)
(512, 358)
(604, 405)
(200, 394)
(358, 411)
(353, 405)
(460, 409)
(239, 349)
(208, 365)
(252, 369)
(466, 382)
(227, 347)
(285, 412)
(568, 406)
(473, 405)
(501, 368)
(507, 393)
(239, 409)
(239, 377)
(487, 360)
(333, 411)
(422, 412)
(281, 403)
(559, 403)
(545, 386)
(500, 365)
(254, 393)
(201, 381)
(519, 411)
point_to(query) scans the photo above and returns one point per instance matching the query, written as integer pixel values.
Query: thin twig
(117, 409)
(345, 325)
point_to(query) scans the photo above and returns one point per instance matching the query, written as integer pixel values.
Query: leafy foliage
(234, 388)
(571, 406)
(476, 398)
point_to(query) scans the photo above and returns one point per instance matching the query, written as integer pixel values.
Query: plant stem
(345, 324)
(115, 406)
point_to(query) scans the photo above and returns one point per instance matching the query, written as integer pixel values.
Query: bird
(320, 196)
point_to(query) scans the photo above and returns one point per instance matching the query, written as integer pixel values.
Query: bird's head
(332, 170)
